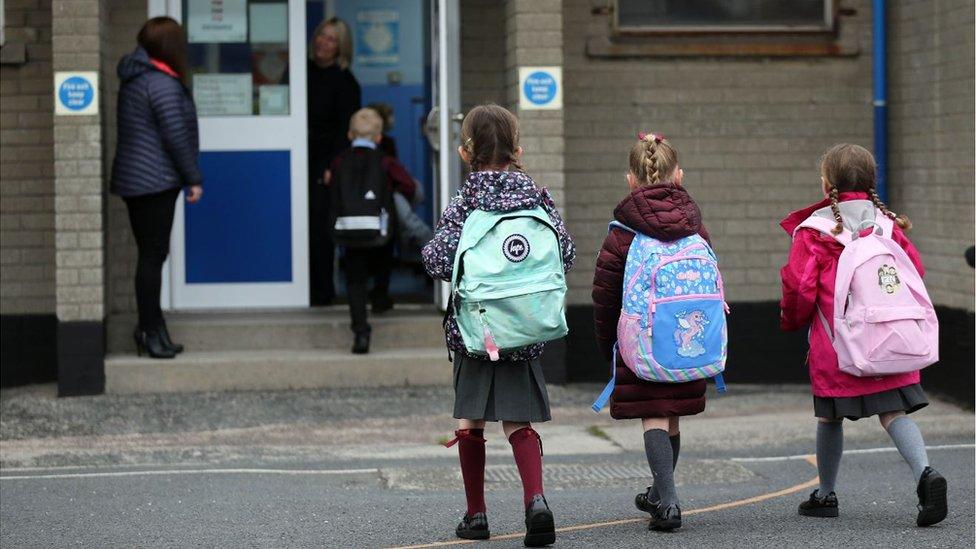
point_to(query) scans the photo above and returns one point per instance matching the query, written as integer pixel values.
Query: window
(716, 16)
(238, 56)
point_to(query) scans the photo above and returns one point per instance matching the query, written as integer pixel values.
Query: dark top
(333, 97)
(665, 213)
(158, 142)
(397, 176)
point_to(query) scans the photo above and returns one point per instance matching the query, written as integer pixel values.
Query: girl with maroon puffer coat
(660, 207)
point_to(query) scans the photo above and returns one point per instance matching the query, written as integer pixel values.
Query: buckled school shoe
(644, 502)
(816, 506)
(665, 520)
(932, 498)
(540, 528)
(473, 527)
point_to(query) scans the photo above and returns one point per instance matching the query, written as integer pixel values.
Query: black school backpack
(362, 203)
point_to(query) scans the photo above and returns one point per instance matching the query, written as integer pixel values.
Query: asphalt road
(70, 476)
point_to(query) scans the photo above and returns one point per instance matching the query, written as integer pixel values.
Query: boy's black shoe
(474, 527)
(644, 502)
(361, 344)
(665, 520)
(540, 529)
(818, 506)
(932, 492)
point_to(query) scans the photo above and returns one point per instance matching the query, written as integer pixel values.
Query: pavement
(364, 468)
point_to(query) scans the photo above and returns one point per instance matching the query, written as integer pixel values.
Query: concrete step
(275, 370)
(407, 327)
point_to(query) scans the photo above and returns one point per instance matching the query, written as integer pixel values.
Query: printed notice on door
(210, 21)
(223, 94)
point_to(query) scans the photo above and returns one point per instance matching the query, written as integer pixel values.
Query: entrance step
(406, 327)
(275, 370)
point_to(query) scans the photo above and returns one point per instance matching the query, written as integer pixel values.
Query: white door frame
(446, 65)
(244, 133)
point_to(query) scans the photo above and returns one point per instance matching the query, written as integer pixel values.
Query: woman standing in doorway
(333, 97)
(156, 157)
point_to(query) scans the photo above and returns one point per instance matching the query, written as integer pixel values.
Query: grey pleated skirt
(906, 399)
(500, 391)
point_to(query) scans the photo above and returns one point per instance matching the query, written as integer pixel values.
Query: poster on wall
(223, 94)
(273, 100)
(209, 21)
(269, 23)
(377, 37)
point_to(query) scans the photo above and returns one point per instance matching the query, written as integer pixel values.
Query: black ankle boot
(360, 345)
(540, 529)
(473, 527)
(164, 336)
(150, 342)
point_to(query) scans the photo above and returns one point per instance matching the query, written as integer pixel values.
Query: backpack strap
(620, 225)
(601, 400)
(884, 225)
(825, 226)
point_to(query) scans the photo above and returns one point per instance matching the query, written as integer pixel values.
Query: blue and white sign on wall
(378, 37)
(76, 93)
(540, 88)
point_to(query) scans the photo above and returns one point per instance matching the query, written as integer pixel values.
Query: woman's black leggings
(151, 216)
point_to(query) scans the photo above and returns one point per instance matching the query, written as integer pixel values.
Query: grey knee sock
(675, 448)
(830, 447)
(660, 457)
(908, 440)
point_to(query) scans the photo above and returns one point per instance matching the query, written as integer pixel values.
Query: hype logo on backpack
(672, 323)
(884, 322)
(508, 282)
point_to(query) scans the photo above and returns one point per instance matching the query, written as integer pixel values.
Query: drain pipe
(880, 60)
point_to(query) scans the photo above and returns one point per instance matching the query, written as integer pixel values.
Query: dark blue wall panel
(241, 230)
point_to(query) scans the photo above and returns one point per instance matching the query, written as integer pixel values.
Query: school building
(750, 92)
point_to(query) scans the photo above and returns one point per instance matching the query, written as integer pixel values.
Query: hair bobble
(641, 136)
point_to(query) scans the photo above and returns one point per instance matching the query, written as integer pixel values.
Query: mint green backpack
(508, 283)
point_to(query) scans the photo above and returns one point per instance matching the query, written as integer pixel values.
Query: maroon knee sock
(527, 449)
(471, 451)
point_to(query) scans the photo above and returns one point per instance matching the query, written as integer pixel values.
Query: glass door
(245, 244)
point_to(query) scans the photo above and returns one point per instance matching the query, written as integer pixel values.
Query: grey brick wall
(27, 164)
(482, 54)
(749, 132)
(931, 137)
(124, 21)
(78, 169)
(534, 36)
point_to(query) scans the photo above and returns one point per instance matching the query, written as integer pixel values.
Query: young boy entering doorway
(363, 217)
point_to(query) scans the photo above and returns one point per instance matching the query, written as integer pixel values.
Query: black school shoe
(932, 504)
(474, 527)
(665, 520)
(644, 502)
(816, 506)
(360, 344)
(540, 529)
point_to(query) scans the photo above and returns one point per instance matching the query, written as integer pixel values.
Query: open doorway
(391, 63)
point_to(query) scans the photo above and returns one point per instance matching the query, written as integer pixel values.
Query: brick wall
(27, 163)
(930, 106)
(79, 190)
(749, 132)
(482, 54)
(124, 21)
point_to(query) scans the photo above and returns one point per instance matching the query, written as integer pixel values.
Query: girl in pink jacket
(848, 179)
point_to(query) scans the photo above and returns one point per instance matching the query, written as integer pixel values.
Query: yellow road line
(812, 460)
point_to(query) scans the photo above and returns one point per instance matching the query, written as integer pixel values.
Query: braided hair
(847, 167)
(653, 160)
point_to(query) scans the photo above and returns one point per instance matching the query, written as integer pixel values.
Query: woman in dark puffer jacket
(156, 157)
(658, 207)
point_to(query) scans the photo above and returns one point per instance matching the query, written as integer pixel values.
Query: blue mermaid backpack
(672, 322)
